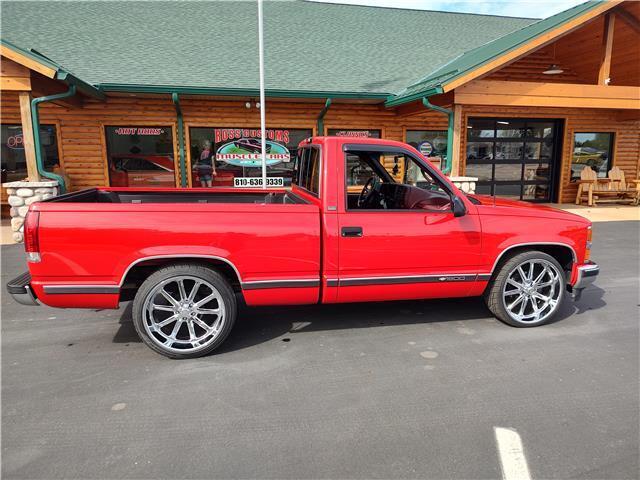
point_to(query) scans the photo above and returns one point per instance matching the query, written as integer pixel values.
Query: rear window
(307, 174)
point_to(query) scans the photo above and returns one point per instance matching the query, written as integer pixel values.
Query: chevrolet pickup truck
(365, 220)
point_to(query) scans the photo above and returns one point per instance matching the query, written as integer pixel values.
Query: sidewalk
(6, 235)
(603, 213)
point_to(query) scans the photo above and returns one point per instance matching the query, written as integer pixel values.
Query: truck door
(398, 236)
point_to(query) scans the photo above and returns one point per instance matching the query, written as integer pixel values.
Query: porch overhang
(530, 94)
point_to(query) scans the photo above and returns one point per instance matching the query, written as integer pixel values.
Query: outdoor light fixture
(257, 104)
(248, 104)
(501, 122)
(553, 70)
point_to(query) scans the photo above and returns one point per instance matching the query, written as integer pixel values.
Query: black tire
(494, 294)
(172, 274)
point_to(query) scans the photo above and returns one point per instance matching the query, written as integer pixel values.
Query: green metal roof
(482, 54)
(311, 49)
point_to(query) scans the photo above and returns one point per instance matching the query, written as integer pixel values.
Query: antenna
(263, 140)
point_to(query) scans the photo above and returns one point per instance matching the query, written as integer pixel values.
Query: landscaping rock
(16, 201)
(24, 192)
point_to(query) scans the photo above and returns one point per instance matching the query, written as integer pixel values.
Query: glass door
(513, 158)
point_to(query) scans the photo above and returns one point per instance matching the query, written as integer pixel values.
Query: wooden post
(27, 136)
(607, 45)
(457, 131)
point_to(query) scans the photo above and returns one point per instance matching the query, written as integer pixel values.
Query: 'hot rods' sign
(243, 147)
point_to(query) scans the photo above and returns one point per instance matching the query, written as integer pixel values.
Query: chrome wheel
(532, 291)
(183, 314)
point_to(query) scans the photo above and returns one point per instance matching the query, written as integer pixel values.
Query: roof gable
(501, 50)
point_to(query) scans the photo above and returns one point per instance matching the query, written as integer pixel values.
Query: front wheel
(184, 311)
(527, 290)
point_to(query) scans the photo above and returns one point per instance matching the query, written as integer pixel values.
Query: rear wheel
(184, 311)
(527, 290)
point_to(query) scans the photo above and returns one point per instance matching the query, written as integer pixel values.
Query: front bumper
(20, 289)
(586, 275)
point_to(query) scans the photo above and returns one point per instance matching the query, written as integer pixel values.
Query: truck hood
(518, 207)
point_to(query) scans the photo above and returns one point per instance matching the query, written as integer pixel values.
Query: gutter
(183, 164)
(35, 120)
(237, 92)
(323, 112)
(447, 163)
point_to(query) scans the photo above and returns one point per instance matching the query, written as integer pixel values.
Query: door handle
(351, 231)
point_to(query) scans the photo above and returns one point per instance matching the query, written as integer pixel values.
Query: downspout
(35, 120)
(183, 163)
(446, 169)
(323, 112)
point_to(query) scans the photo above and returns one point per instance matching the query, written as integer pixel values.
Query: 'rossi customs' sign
(242, 147)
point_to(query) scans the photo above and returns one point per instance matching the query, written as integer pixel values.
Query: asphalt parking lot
(387, 390)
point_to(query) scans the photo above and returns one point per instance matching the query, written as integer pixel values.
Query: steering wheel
(367, 191)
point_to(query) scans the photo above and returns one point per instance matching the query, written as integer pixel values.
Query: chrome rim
(532, 291)
(184, 314)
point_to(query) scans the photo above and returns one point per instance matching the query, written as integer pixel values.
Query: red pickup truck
(365, 220)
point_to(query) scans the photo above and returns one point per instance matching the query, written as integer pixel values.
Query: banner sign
(354, 133)
(138, 131)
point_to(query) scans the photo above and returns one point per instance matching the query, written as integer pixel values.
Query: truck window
(392, 181)
(307, 170)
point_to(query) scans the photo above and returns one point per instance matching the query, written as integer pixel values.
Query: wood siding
(83, 148)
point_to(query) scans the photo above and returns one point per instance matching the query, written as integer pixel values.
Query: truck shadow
(256, 325)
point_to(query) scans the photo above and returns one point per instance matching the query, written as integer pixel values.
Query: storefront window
(140, 156)
(591, 150)
(14, 163)
(343, 132)
(219, 156)
(431, 143)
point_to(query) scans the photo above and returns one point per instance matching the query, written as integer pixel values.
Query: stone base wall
(23, 194)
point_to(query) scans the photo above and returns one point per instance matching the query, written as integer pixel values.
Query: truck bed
(90, 239)
(223, 195)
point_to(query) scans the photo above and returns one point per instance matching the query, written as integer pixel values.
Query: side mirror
(459, 209)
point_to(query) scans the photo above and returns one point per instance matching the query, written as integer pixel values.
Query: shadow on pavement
(261, 324)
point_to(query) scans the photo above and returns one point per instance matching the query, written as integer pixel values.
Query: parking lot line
(512, 458)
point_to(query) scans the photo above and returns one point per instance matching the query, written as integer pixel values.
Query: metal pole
(263, 135)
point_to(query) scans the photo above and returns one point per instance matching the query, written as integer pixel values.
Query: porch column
(27, 136)
(457, 132)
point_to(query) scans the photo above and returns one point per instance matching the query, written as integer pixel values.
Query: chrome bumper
(20, 289)
(587, 274)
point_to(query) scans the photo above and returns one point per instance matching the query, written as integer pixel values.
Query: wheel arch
(564, 253)
(141, 268)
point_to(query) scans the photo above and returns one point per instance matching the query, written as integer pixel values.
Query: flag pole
(263, 139)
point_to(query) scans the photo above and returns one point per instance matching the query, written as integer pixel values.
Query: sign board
(426, 148)
(256, 182)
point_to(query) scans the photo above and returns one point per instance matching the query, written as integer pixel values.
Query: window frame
(174, 138)
(58, 136)
(351, 147)
(301, 173)
(612, 152)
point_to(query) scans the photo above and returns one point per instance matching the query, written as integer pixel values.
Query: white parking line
(512, 459)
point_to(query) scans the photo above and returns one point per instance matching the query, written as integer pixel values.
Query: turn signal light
(587, 253)
(32, 236)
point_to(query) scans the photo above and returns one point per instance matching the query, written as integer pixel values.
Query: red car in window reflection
(252, 145)
(135, 170)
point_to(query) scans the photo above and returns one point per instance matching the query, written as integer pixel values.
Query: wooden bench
(600, 190)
